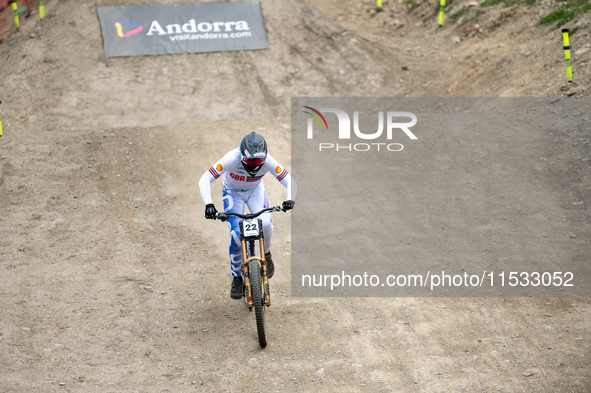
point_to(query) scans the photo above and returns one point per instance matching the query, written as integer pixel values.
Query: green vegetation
(456, 15)
(437, 6)
(410, 4)
(466, 19)
(566, 12)
(507, 3)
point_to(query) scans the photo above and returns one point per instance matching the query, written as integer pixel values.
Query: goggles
(253, 161)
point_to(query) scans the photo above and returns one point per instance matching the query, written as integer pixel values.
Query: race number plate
(251, 228)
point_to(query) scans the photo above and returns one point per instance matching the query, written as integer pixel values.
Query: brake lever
(222, 217)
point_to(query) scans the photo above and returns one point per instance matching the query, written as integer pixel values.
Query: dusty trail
(496, 51)
(62, 61)
(112, 280)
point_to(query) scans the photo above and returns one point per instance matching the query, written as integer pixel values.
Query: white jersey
(235, 176)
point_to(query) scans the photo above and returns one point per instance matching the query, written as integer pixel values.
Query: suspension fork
(246, 270)
(265, 278)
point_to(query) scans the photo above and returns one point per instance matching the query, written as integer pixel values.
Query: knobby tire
(259, 311)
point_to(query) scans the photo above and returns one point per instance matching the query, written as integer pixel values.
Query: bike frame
(246, 265)
(246, 259)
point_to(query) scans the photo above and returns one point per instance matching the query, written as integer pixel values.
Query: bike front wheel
(256, 283)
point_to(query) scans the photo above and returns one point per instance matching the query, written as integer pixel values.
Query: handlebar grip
(221, 216)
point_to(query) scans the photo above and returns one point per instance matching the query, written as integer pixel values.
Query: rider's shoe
(237, 288)
(270, 265)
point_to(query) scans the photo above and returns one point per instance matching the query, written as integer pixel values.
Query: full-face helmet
(253, 150)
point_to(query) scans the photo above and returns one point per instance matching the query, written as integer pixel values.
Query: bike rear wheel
(257, 300)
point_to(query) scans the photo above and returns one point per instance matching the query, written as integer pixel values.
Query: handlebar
(224, 216)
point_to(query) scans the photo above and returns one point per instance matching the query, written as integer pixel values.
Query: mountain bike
(254, 268)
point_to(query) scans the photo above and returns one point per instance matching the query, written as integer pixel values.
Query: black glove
(288, 205)
(210, 211)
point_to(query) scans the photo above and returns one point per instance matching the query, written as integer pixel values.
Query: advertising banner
(158, 29)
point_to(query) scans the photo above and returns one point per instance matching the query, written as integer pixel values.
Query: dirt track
(112, 280)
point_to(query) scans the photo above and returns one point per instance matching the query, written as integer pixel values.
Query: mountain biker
(243, 169)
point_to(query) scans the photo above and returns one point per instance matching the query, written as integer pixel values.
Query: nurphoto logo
(345, 128)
